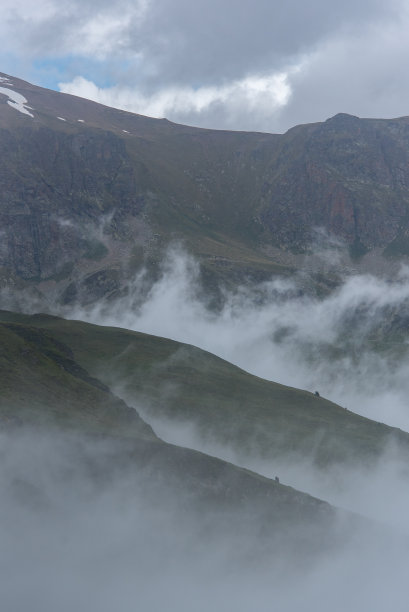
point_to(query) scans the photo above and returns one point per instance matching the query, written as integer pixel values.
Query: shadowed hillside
(46, 394)
(189, 386)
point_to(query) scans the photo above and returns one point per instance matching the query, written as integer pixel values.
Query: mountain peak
(342, 118)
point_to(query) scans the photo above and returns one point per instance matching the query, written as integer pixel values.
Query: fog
(350, 346)
(76, 536)
(379, 492)
(81, 531)
(277, 332)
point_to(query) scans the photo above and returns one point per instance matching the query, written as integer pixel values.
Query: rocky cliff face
(89, 193)
(53, 185)
(349, 175)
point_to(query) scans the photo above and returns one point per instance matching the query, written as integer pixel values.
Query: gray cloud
(360, 75)
(216, 63)
(202, 42)
(74, 539)
(209, 41)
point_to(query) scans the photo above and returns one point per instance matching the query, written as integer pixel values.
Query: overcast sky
(237, 64)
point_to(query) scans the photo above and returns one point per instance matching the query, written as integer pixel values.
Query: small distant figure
(277, 479)
(317, 394)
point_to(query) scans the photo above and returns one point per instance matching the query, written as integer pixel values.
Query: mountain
(90, 194)
(184, 385)
(51, 405)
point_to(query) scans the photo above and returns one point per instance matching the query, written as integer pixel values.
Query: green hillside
(42, 385)
(227, 405)
(51, 400)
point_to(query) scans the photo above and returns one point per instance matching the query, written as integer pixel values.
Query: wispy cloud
(253, 95)
(277, 333)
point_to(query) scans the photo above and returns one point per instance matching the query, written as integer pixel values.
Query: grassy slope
(42, 386)
(227, 404)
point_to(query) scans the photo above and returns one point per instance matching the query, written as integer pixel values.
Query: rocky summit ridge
(90, 194)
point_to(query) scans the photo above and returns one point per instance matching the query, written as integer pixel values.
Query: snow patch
(17, 101)
(61, 118)
(126, 131)
(6, 80)
(80, 120)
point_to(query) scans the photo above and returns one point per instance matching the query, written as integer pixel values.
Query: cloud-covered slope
(46, 391)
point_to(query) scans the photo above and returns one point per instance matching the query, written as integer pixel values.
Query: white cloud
(359, 69)
(253, 94)
(273, 333)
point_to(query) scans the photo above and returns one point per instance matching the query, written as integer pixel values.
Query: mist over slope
(350, 346)
(101, 531)
(95, 510)
(93, 521)
(80, 528)
(281, 228)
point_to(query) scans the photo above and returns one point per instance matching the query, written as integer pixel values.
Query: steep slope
(348, 175)
(46, 395)
(188, 386)
(90, 193)
(42, 385)
(104, 194)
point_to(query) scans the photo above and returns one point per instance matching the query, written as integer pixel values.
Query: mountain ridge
(91, 194)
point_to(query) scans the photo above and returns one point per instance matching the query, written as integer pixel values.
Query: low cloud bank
(79, 533)
(347, 345)
(378, 492)
(344, 346)
(76, 537)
